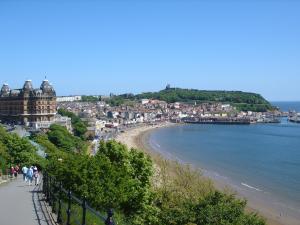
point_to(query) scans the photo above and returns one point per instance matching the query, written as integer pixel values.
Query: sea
(259, 161)
(287, 106)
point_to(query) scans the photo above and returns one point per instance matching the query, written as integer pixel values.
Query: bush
(62, 138)
(79, 127)
(121, 178)
(17, 150)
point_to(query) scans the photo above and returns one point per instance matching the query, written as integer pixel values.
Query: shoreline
(139, 138)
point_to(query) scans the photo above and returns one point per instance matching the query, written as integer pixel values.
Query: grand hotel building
(28, 106)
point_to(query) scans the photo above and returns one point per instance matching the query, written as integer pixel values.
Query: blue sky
(98, 47)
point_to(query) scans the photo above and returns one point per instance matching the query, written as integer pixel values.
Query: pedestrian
(24, 171)
(30, 175)
(36, 175)
(18, 168)
(12, 172)
(16, 171)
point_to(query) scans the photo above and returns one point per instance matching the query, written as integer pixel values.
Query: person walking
(16, 171)
(24, 171)
(12, 172)
(30, 175)
(36, 175)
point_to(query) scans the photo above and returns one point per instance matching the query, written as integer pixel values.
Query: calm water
(286, 106)
(264, 159)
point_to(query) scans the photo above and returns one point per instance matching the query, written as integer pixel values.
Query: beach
(139, 138)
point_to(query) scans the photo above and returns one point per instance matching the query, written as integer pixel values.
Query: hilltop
(244, 101)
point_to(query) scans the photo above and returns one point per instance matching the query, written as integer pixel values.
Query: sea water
(287, 106)
(262, 159)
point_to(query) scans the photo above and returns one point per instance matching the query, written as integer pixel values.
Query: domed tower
(46, 87)
(28, 86)
(5, 90)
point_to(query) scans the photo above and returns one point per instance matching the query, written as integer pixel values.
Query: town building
(69, 98)
(28, 106)
(145, 101)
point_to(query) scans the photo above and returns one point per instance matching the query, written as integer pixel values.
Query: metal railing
(69, 209)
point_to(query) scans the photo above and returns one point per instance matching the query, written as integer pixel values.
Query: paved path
(21, 204)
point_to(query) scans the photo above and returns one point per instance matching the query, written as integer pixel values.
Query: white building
(145, 101)
(58, 119)
(69, 98)
(176, 105)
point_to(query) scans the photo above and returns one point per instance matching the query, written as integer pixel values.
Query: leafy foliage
(43, 140)
(17, 150)
(122, 178)
(89, 98)
(242, 100)
(221, 209)
(63, 139)
(79, 127)
(115, 177)
(4, 157)
(116, 100)
(3, 152)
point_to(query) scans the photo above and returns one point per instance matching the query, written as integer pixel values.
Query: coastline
(139, 138)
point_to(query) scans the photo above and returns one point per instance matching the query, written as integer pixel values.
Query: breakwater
(217, 120)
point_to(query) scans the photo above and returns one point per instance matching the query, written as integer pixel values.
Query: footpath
(21, 204)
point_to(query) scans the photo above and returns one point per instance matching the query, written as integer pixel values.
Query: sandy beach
(139, 138)
(135, 137)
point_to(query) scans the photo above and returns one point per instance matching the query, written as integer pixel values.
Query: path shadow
(42, 216)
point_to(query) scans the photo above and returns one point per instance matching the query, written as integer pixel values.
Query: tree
(89, 98)
(223, 209)
(121, 178)
(62, 138)
(18, 150)
(242, 100)
(4, 158)
(79, 127)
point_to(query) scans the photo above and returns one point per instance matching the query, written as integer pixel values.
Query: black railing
(69, 209)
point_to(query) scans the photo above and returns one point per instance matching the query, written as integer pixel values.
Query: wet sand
(139, 138)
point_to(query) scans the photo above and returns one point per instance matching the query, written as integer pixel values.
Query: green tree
(4, 158)
(64, 140)
(121, 178)
(223, 209)
(89, 98)
(79, 127)
(19, 150)
(242, 100)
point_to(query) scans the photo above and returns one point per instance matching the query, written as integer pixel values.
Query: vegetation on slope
(126, 180)
(242, 100)
(64, 140)
(89, 98)
(79, 127)
(116, 100)
(15, 150)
